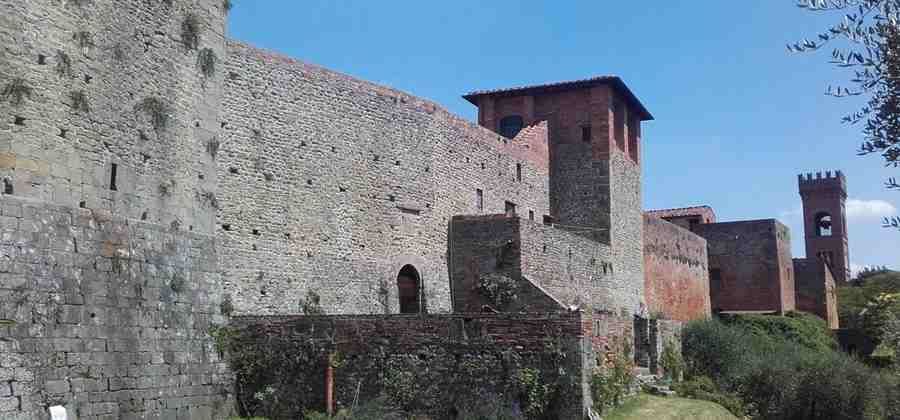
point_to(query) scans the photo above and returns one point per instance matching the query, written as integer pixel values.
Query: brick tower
(825, 221)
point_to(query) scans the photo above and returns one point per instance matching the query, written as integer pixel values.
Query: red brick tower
(825, 221)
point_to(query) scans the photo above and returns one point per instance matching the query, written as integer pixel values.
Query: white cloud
(869, 209)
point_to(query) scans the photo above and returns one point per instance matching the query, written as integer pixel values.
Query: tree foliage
(868, 43)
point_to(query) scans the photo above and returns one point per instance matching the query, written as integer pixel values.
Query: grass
(646, 406)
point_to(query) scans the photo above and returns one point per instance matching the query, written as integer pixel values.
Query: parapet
(829, 181)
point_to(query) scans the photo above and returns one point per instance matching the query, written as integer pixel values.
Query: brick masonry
(453, 338)
(750, 266)
(676, 282)
(816, 292)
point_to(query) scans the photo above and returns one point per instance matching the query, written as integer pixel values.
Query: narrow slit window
(112, 177)
(479, 200)
(531, 215)
(519, 172)
(586, 133)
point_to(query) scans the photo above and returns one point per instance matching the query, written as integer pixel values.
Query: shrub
(534, 393)
(805, 329)
(782, 376)
(671, 361)
(703, 388)
(611, 384)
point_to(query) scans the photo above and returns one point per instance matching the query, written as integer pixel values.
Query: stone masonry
(156, 178)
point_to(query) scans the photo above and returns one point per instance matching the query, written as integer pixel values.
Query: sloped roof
(613, 81)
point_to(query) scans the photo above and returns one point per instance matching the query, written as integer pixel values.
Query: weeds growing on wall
(499, 289)
(156, 110)
(166, 189)
(534, 393)
(16, 91)
(190, 31)
(375, 383)
(227, 5)
(208, 198)
(206, 61)
(212, 147)
(79, 101)
(84, 39)
(311, 303)
(63, 64)
(226, 306)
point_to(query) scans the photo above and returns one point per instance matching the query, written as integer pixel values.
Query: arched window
(823, 224)
(511, 125)
(409, 288)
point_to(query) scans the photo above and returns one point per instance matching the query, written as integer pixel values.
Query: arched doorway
(409, 290)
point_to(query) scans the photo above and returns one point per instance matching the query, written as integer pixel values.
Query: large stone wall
(106, 316)
(451, 363)
(750, 265)
(334, 184)
(108, 265)
(553, 268)
(676, 282)
(816, 290)
(96, 75)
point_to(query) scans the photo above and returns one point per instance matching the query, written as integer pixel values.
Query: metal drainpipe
(329, 386)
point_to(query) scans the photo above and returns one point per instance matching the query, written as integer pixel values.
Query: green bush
(671, 361)
(805, 329)
(780, 373)
(611, 384)
(703, 388)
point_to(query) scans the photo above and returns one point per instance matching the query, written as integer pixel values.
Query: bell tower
(825, 221)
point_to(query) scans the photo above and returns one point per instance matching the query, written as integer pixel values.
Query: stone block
(57, 387)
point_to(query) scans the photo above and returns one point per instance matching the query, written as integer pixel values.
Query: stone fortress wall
(157, 178)
(334, 184)
(108, 270)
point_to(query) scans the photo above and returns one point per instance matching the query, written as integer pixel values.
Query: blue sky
(737, 116)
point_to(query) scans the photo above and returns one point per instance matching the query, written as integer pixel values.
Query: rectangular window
(112, 177)
(619, 124)
(531, 215)
(586, 133)
(510, 209)
(479, 200)
(634, 133)
(519, 172)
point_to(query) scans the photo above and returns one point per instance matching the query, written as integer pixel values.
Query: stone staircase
(651, 383)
